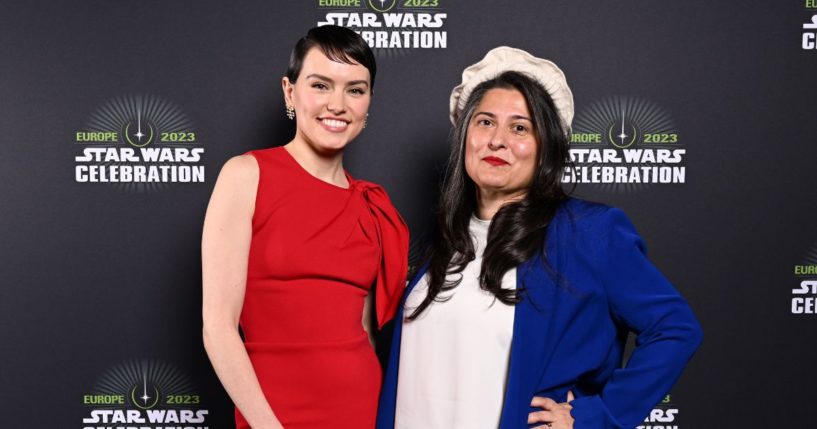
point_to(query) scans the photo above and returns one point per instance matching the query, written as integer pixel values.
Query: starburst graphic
(602, 114)
(117, 112)
(143, 380)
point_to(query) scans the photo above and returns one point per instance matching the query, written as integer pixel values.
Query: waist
(352, 343)
(302, 311)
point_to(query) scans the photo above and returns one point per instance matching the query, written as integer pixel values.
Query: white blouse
(454, 357)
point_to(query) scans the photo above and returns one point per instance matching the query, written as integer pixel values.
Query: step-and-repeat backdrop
(696, 118)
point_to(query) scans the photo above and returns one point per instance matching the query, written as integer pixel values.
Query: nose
(497, 140)
(336, 103)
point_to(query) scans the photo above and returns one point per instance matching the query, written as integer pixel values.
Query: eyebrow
(491, 115)
(326, 78)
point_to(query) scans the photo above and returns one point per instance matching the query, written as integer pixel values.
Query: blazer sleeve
(641, 299)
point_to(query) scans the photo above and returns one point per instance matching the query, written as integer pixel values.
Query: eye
(320, 86)
(357, 91)
(519, 129)
(483, 122)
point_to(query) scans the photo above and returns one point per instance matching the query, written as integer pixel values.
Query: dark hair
(517, 231)
(338, 44)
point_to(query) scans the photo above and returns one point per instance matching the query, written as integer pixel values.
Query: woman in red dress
(293, 247)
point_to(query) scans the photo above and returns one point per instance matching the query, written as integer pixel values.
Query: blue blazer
(570, 329)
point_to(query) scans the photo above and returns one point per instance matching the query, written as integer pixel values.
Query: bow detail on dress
(393, 238)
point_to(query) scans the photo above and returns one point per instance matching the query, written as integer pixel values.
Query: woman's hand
(554, 414)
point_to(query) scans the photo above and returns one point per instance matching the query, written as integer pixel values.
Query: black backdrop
(101, 281)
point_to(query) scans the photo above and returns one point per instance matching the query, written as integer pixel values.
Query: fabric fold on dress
(393, 237)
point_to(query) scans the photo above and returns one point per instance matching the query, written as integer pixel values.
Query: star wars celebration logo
(138, 142)
(809, 40)
(663, 416)
(625, 144)
(804, 293)
(143, 394)
(390, 24)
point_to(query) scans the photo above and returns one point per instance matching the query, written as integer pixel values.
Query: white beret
(504, 58)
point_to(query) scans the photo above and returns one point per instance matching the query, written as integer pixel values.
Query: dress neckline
(321, 181)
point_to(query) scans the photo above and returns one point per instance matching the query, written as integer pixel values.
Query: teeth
(334, 123)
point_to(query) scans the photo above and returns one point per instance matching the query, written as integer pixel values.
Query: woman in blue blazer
(520, 314)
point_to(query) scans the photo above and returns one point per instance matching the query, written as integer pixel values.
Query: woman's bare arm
(225, 247)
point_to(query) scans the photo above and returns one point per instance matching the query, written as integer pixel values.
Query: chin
(492, 183)
(332, 148)
(330, 143)
(339, 140)
(492, 187)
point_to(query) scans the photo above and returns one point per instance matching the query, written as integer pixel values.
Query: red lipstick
(495, 161)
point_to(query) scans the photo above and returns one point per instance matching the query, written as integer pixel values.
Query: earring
(365, 120)
(290, 112)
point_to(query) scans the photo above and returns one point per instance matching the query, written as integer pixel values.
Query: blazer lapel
(532, 345)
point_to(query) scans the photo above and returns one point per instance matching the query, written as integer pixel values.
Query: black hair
(518, 229)
(338, 44)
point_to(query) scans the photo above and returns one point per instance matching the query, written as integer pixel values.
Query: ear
(288, 88)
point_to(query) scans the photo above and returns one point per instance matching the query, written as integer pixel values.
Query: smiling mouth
(495, 161)
(334, 124)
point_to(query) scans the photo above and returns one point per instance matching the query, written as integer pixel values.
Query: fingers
(541, 417)
(542, 402)
(549, 404)
(552, 411)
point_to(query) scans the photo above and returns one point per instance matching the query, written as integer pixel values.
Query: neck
(324, 166)
(489, 202)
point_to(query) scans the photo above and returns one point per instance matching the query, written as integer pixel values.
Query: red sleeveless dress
(317, 249)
